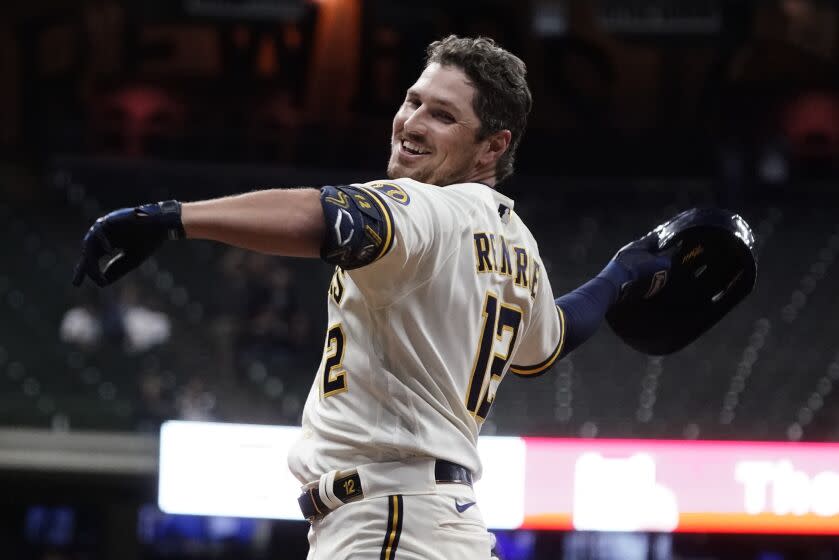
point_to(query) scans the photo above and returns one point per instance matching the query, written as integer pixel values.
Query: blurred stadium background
(643, 108)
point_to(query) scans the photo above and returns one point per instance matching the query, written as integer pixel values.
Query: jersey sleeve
(421, 224)
(543, 340)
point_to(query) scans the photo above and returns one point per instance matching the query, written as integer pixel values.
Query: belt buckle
(318, 515)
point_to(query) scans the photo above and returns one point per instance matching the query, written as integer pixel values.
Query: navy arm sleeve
(586, 307)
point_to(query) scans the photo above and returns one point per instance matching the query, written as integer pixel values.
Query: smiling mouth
(413, 148)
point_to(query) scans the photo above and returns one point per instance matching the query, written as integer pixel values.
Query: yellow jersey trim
(527, 371)
(388, 222)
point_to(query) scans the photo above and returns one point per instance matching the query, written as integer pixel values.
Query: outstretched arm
(278, 221)
(343, 225)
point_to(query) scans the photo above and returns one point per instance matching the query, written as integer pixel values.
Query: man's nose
(415, 123)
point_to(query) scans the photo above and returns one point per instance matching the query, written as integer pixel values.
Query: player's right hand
(125, 238)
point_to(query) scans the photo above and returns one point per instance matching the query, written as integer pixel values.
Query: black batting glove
(126, 238)
(639, 269)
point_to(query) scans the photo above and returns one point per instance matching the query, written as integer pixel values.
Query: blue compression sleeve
(586, 307)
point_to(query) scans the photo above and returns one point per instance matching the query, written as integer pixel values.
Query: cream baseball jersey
(419, 340)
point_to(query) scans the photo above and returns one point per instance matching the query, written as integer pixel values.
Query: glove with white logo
(126, 238)
(638, 269)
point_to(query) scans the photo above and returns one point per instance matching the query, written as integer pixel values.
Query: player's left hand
(126, 237)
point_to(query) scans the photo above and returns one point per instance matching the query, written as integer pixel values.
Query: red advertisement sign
(691, 486)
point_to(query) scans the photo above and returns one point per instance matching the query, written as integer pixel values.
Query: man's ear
(496, 145)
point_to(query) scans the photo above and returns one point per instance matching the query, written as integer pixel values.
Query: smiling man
(439, 139)
(437, 294)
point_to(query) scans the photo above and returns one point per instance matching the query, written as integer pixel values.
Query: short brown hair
(502, 98)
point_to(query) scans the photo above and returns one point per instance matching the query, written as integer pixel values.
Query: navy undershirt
(586, 307)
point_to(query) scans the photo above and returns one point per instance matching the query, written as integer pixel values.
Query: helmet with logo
(713, 268)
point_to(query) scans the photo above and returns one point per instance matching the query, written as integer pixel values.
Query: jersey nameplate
(494, 254)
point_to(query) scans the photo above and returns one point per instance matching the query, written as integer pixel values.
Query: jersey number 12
(497, 319)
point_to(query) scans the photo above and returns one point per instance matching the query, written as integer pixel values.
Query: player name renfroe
(493, 253)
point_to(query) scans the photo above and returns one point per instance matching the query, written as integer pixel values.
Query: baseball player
(439, 291)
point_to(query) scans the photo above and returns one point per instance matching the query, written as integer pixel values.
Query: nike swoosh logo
(463, 507)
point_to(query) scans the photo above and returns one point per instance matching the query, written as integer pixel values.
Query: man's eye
(411, 103)
(445, 117)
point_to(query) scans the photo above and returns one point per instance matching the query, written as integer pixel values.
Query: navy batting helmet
(713, 269)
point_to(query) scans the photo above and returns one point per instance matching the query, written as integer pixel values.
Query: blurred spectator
(268, 326)
(81, 326)
(144, 328)
(96, 321)
(195, 401)
(118, 322)
(811, 124)
(138, 120)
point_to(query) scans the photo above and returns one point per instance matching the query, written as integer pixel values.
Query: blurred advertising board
(541, 483)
